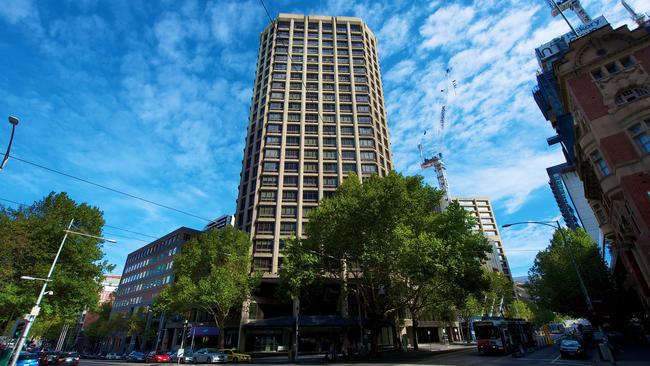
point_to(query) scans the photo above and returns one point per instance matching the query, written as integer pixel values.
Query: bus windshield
(486, 331)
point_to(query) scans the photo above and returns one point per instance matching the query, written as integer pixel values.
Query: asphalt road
(471, 357)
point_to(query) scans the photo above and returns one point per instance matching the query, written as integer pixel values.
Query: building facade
(317, 114)
(481, 209)
(595, 90)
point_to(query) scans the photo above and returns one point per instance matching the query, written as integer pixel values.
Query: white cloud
(446, 26)
(401, 71)
(393, 34)
(523, 242)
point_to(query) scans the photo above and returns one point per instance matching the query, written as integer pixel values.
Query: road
(470, 357)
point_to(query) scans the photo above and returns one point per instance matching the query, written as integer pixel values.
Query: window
(290, 167)
(311, 167)
(291, 180)
(329, 154)
(293, 128)
(328, 130)
(627, 61)
(293, 117)
(349, 154)
(267, 195)
(311, 154)
(349, 168)
(329, 141)
(270, 167)
(611, 68)
(311, 141)
(293, 140)
(277, 95)
(288, 228)
(630, 95)
(270, 181)
(347, 131)
(310, 196)
(365, 120)
(263, 246)
(329, 167)
(289, 196)
(262, 264)
(295, 96)
(275, 116)
(347, 142)
(279, 75)
(265, 227)
(310, 181)
(291, 153)
(305, 212)
(289, 211)
(366, 143)
(368, 155)
(330, 181)
(296, 67)
(363, 108)
(272, 153)
(369, 168)
(274, 128)
(639, 133)
(598, 161)
(365, 131)
(267, 211)
(329, 118)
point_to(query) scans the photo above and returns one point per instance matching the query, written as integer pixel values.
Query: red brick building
(604, 82)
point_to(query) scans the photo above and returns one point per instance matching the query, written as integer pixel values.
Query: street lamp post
(583, 288)
(14, 122)
(31, 317)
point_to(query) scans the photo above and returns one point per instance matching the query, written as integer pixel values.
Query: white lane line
(556, 358)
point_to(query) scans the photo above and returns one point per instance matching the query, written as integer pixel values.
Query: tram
(503, 335)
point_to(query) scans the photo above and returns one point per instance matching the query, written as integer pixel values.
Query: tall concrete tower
(317, 113)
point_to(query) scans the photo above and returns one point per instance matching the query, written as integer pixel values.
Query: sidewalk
(628, 356)
(390, 356)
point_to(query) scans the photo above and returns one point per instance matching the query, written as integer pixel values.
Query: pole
(182, 343)
(37, 308)
(565, 18)
(583, 288)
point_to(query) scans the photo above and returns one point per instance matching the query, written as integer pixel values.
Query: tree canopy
(212, 274)
(388, 237)
(553, 279)
(29, 239)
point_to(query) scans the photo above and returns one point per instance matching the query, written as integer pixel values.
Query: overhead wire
(114, 190)
(105, 225)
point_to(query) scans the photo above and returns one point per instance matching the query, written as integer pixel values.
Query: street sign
(181, 352)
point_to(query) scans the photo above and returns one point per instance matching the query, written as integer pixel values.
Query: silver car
(186, 358)
(209, 355)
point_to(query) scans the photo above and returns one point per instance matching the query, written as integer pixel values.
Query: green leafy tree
(521, 309)
(29, 239)
(387, 235)
(212, 274)
(469, 308)
(553, 281)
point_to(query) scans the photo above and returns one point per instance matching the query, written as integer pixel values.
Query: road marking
(556, 358)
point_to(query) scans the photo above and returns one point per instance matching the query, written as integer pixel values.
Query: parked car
(27, 359)
(136, 356)
(112, 356)
(68, 358)
(186, 358)
(154, 356)
(235, 356)
(49, 358)
(209, 355)
(571, 347)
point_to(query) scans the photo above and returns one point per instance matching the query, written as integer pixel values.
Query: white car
(209, 355)
(112, 356)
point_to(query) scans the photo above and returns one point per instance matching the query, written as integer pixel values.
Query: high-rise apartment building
(317, 114)
(486, 223)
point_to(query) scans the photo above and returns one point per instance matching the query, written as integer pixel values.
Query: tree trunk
(222, 335)
(416, 323)
(396, 335)
(467, 327)
(375, 340)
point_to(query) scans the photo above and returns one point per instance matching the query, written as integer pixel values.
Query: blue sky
(152, 98)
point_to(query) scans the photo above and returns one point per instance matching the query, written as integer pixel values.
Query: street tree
(29, 239)
(553, 280)
(213, 274)
(388, 238)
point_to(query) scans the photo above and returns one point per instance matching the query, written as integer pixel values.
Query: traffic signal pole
(37, 308)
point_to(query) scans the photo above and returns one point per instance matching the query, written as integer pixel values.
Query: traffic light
(19, 328)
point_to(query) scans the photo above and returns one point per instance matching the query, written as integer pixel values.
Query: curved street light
(557, 226)
(14, 122)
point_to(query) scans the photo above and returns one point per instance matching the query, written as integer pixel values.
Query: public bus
(503, 335)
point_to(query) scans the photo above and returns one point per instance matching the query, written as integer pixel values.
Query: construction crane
(640, 19)
(558, 6)
(435, 161)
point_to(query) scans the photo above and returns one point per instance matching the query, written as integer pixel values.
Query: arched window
(630, 95)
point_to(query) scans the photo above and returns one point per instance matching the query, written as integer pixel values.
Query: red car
(157, 357)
